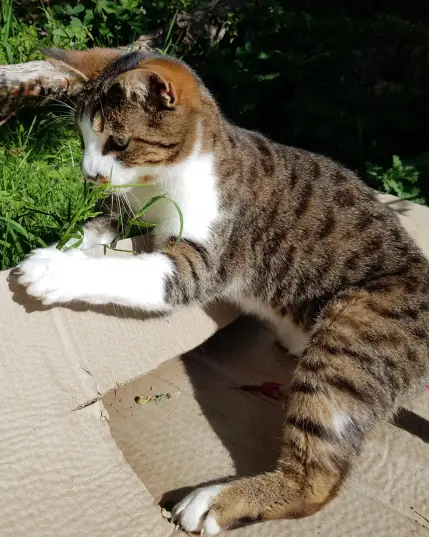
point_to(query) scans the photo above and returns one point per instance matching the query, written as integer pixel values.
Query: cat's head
(136, 111)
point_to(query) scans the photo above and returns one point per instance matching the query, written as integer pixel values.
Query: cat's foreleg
(99, 231)
(157, 281)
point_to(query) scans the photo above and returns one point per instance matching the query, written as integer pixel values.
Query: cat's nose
(98, 179)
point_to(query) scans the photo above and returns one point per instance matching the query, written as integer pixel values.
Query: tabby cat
(288, 235)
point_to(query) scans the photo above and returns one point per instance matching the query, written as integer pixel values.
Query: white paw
(192, 513)
(53, 276)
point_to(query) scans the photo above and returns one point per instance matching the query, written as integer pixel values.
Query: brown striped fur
(311, 242)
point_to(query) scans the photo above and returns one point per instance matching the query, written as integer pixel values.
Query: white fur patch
(54, 276)
(340, 422)
(94, 161)
(210, 526)
(289, 334)
(91, 238)
(192, 513)
(192, 184)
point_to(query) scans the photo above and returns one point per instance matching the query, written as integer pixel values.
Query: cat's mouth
(97, 180)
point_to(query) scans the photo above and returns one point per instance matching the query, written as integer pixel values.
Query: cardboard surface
(61, 473)
(66, 469)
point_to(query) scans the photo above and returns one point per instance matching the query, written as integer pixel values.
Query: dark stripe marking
(303, 387)
(158, 143)
(304, 200)
(311, 427)
(344, 385)
(200, 249)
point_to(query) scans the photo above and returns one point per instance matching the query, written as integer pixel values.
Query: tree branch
(33, 84)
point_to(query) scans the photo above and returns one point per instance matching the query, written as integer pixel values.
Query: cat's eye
(119, 142)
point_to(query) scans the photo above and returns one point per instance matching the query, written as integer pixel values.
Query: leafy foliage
(19, 42)
(349, 85)
(400, 179)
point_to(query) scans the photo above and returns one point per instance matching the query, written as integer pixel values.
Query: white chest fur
(192, 185)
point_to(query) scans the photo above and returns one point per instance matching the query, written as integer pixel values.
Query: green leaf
(89, 17)
(15, 226)
(5, 244)
(78, 9)
(179, 212)
(75, 23)
(270, 76)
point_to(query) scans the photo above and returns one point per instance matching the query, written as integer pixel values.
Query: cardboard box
(80, 458)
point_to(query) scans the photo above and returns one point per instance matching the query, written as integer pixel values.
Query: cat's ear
(82, 64)
(143, 85)
(165, 83)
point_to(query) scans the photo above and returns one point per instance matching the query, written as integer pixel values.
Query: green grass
(40, 183)
(42, 195)
(41, 188)
(43, 198)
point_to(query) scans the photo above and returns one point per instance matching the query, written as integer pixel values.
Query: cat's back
(331, 208)
(320, 215)
(306, 189)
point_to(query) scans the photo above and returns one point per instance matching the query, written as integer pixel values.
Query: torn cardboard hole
(231, 431)
(196, 438)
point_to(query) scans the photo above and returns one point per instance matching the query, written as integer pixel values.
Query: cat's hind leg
(352, 374)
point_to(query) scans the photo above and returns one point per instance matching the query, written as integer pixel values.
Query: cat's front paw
(53, 276)
(193, 513)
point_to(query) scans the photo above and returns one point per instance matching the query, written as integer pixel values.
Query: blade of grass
(4, 263)
(15, 226)
(17, 243)
(179, 212)
(119, 250)
(168, 38)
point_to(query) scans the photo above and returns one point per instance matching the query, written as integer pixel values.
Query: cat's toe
(193, 512)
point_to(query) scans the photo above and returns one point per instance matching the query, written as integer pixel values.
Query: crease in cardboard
(88, 382)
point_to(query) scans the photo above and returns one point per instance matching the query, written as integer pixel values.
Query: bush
(349, 86)
(400, 179)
